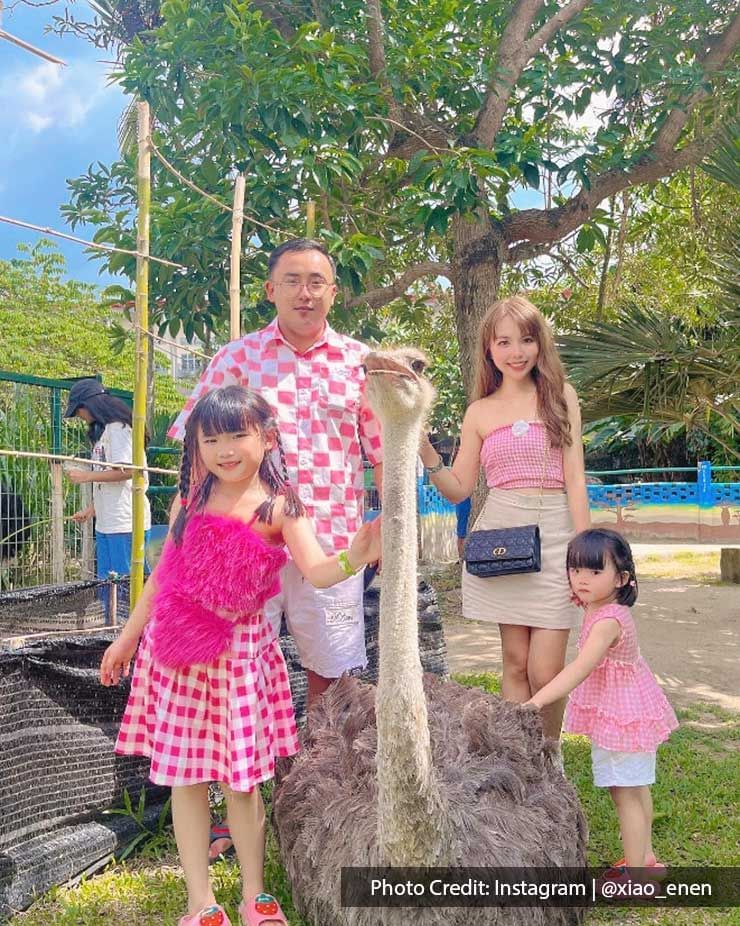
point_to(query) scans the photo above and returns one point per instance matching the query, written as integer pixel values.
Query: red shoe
(215, 915)
(657, 869)
(261, 909)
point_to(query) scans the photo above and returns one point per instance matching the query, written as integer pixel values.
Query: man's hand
(79, 517)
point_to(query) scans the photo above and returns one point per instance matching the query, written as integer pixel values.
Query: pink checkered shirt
(318, 400)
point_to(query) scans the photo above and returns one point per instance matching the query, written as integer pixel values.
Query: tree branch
(526, 251)
(539, 226)
(375, 41)
(375, 298)
(711, 62)
(514, 52)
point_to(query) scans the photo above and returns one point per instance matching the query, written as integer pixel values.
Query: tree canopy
(422, 128)
(59, 329)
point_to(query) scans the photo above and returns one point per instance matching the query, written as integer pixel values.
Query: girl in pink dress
(210, 699)
(616, 703)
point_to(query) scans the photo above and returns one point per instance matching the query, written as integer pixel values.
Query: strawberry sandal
(215, 915)
(657, 869)
(261, 909)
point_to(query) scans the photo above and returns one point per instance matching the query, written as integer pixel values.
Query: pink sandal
(261, 909)
(657, 869)
(215, 915)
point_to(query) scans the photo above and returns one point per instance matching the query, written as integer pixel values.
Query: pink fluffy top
(222, 563)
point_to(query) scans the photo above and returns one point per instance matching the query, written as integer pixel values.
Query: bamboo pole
(65, 458)
(90, 244)
(88, 538)
(310, 218)
(143, 193)
(236, 253)
(57, 524)
(26, 46)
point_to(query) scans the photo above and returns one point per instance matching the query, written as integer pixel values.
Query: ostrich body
(418, 772)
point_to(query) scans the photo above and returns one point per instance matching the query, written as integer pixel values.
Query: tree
(60, 329)
(414, 125)
(668, 372)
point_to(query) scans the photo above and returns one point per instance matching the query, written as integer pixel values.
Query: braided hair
(228, 410)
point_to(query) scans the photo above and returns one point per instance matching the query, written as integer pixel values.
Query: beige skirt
(532, 599)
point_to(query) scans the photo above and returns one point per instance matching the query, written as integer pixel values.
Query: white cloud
(37, 122)
(46, 95)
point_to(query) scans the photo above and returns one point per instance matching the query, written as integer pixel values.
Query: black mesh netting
(58, 772)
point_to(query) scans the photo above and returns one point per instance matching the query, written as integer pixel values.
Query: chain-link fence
(39, 542)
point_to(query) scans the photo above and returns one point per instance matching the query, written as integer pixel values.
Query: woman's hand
(365, 547)
(78, 476)
(116, 662)
(79, 517)
(429, 456)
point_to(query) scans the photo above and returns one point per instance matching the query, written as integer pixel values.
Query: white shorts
(327, 624)
(622, 769)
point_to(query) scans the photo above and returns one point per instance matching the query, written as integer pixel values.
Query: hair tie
(183, 502)
(633, 583)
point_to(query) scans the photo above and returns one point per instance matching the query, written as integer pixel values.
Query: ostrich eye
(418, 366)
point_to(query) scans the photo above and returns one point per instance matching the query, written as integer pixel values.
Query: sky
(54, 122)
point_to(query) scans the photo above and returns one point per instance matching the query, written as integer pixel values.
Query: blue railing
(704, 492)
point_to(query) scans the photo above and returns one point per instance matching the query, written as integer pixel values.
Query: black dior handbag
(503, 552)
(506, 551)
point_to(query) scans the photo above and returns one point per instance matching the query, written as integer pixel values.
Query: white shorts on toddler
(622, 769)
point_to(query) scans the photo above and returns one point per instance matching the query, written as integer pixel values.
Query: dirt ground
(689, 633)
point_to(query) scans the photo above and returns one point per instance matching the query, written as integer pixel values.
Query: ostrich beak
(405, 369)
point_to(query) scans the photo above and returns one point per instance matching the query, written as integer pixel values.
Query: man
(313, 378)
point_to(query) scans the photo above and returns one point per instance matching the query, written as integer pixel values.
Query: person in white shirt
(111, 438)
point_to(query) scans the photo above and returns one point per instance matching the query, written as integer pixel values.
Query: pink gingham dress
(226, 720)
(620, 706)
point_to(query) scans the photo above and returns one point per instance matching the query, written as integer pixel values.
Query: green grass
(694, 796)
(683, 564)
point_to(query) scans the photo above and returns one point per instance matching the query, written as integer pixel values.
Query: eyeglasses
(315, 287)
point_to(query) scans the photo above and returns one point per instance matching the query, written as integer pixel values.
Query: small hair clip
(633, 583)
(183, 502)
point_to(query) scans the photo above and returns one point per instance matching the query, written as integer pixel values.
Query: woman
(111, 438)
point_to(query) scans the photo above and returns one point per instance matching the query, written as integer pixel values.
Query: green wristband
(345, 565)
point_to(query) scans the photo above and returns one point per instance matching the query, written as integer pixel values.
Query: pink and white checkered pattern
(323, 418)
(513, 457)
(225, 721)
(620, 706)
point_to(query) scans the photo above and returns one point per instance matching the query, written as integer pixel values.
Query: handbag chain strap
(544, 474)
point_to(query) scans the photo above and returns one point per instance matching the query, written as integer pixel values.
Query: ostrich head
(396, 388)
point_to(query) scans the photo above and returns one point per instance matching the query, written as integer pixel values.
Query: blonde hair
(548, 373)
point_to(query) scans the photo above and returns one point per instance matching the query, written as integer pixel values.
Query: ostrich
(418, 772)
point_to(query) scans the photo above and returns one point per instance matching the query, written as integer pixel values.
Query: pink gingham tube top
(513, 457)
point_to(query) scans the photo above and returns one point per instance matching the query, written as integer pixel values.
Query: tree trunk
(478, 261)
(601, 302)
(479, 258)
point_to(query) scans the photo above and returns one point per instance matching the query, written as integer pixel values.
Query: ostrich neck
(411, 814)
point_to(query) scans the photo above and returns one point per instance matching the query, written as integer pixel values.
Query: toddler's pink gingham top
(620, 706)
(513, 457)
(317, 397)
(226, 720)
